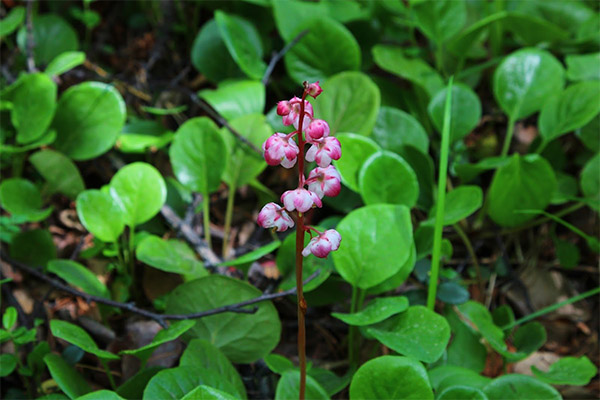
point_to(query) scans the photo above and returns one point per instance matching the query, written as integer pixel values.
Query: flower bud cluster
(281, 149)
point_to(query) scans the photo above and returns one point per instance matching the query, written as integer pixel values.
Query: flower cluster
(281, 149)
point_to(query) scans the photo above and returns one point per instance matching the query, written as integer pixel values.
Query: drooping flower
(316, 130)
(292, 117)
(323, 244)
(324, 151)
(274, 216)
(314, 89)
(300, 199)
(279, 149)
(324, 181)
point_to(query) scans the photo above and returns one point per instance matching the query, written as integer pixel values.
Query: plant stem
(131, 252)
(509, 134)
(465, 238)
(228, 216)
(109, 374)
(358, 296)
(441, 198)
(206, 219)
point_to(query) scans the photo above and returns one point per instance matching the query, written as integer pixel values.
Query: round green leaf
(34, 247)
(170, 256)
(20, 197)
(198, 155)
(465, 113)
(59, 171)
(288, 387)
(52, 36)
(583, 66)
(568, 371)
(140, 191)
(446, 376)
(460, 203)
(88, 120)
(525, 183)
(418, 333)
(452, 293)
(349, 103)
(395, 128)
(79, 276)
(34, 102)
(516, 386)
(12, 21)
(376, 311)
(65, 62)
(243, 42)
(365, 258)
(204, 392)
(440, 20)
(175, 383)
(75, 335)
(100, 214)
(233, 99)
(327, 48)
(524, 81)
(355, 151)
(8, 363)
(391, 377)
(386, 178)
(399, 277)
(243, 338)
(66, 377)
(569, 110)
(590, 181)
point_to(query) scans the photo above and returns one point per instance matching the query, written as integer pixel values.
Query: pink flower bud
(314, 89)
(324, 151)
(323, 244)
(293, 117)
(300, 199)
(283, 108)
(278, 149)
(317, 129)
(273, 216)
(324, 181)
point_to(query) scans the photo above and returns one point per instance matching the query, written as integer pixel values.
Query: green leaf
(445, 376)
(170, 256)
(241, 337)
(582, 67)
(253, 255)
(140, 192)
(34, 247)
(568, 371)
(290, 15)
(171, 333)
(464, 115)
(415, 70)
(59, 171)
(101, 395)
(52, 36)
(233, 99)
(327, 48)
(175, 383)
(11, 22)
(391, 377)
(210, 55)
(356, 150)
(204, 392)
(590, 182)
(418, 333)
(278, 363)
(75, 335)
(33, 105)
(387, 178)
(65, 62)
(516, 386)
(66, 377)
(525, 79)
(201, 353)
(532, 29)
(243, 42)
(463, 393)
(452, 293)
(399, 277)
(377, 310)
(79, 276)
(8, 363)
(288, 387)
(9, 318)
(465, 349)
(395, 128)
(526, 182)
(364, 259)
(468, 172)
(566, 188)
(349, 103)
(88, 120)
(199, 155)
(20, 197)
(47, 138)
(133, 388)
(100, 214)
(164, 111)
(589, 134)
(440, 20)
(422, 164)
(459, 204)
(573, 108)
(244, 164)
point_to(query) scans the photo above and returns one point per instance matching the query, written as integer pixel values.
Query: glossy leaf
(34, 247)
(100, 214)
(139, 190)
(463, 393)
(75, 335)
(395, 128)
(590, 182)
(418, 333)
(364, 259)
(66, 377)
(568, 371)
(101, 395)
(465, 113)
(422, 164)
(516, 386)
(355, 149)
(288, 387)
(175, 383)
(33, 105)
(9, 318)
(446, 376)
(399, 277)
(204, 392)
(52, 36)
(59, 171)
(581, 67)
(349, 103)
(12, 20)
(236, 99)
(459, 204)
(391, 377)
(465, 349)
(589, 134)
(20, 197)
(133, 388)
(440, 20)
(88, 119)
(452, 293)
(79, 276)
(8, 363)
(170, 256)
(65, 62)
(253, 255)
(377, 310)
(175, 330)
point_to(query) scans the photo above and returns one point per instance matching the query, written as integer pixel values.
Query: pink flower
(278, 149)
(314, 89)
(300, 199)
(293, 116)
(324, 181)
(273, 216)
(317, 129)
(323, 244)
(283, 108)
(325, 150)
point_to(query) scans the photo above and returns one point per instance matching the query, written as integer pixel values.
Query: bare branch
(279, 55)
(30, 43)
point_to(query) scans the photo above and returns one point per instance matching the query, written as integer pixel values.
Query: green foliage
(376, 311)
(233, 99)
(568, 371)
(21, 198)
(75, 335)
(100, 214)
(52, 36)
(79, 276)
(395, 128)
(357, 149)
(466, 110)
(66, 377)
(170, 256)
(64, 62)
(61, 174)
